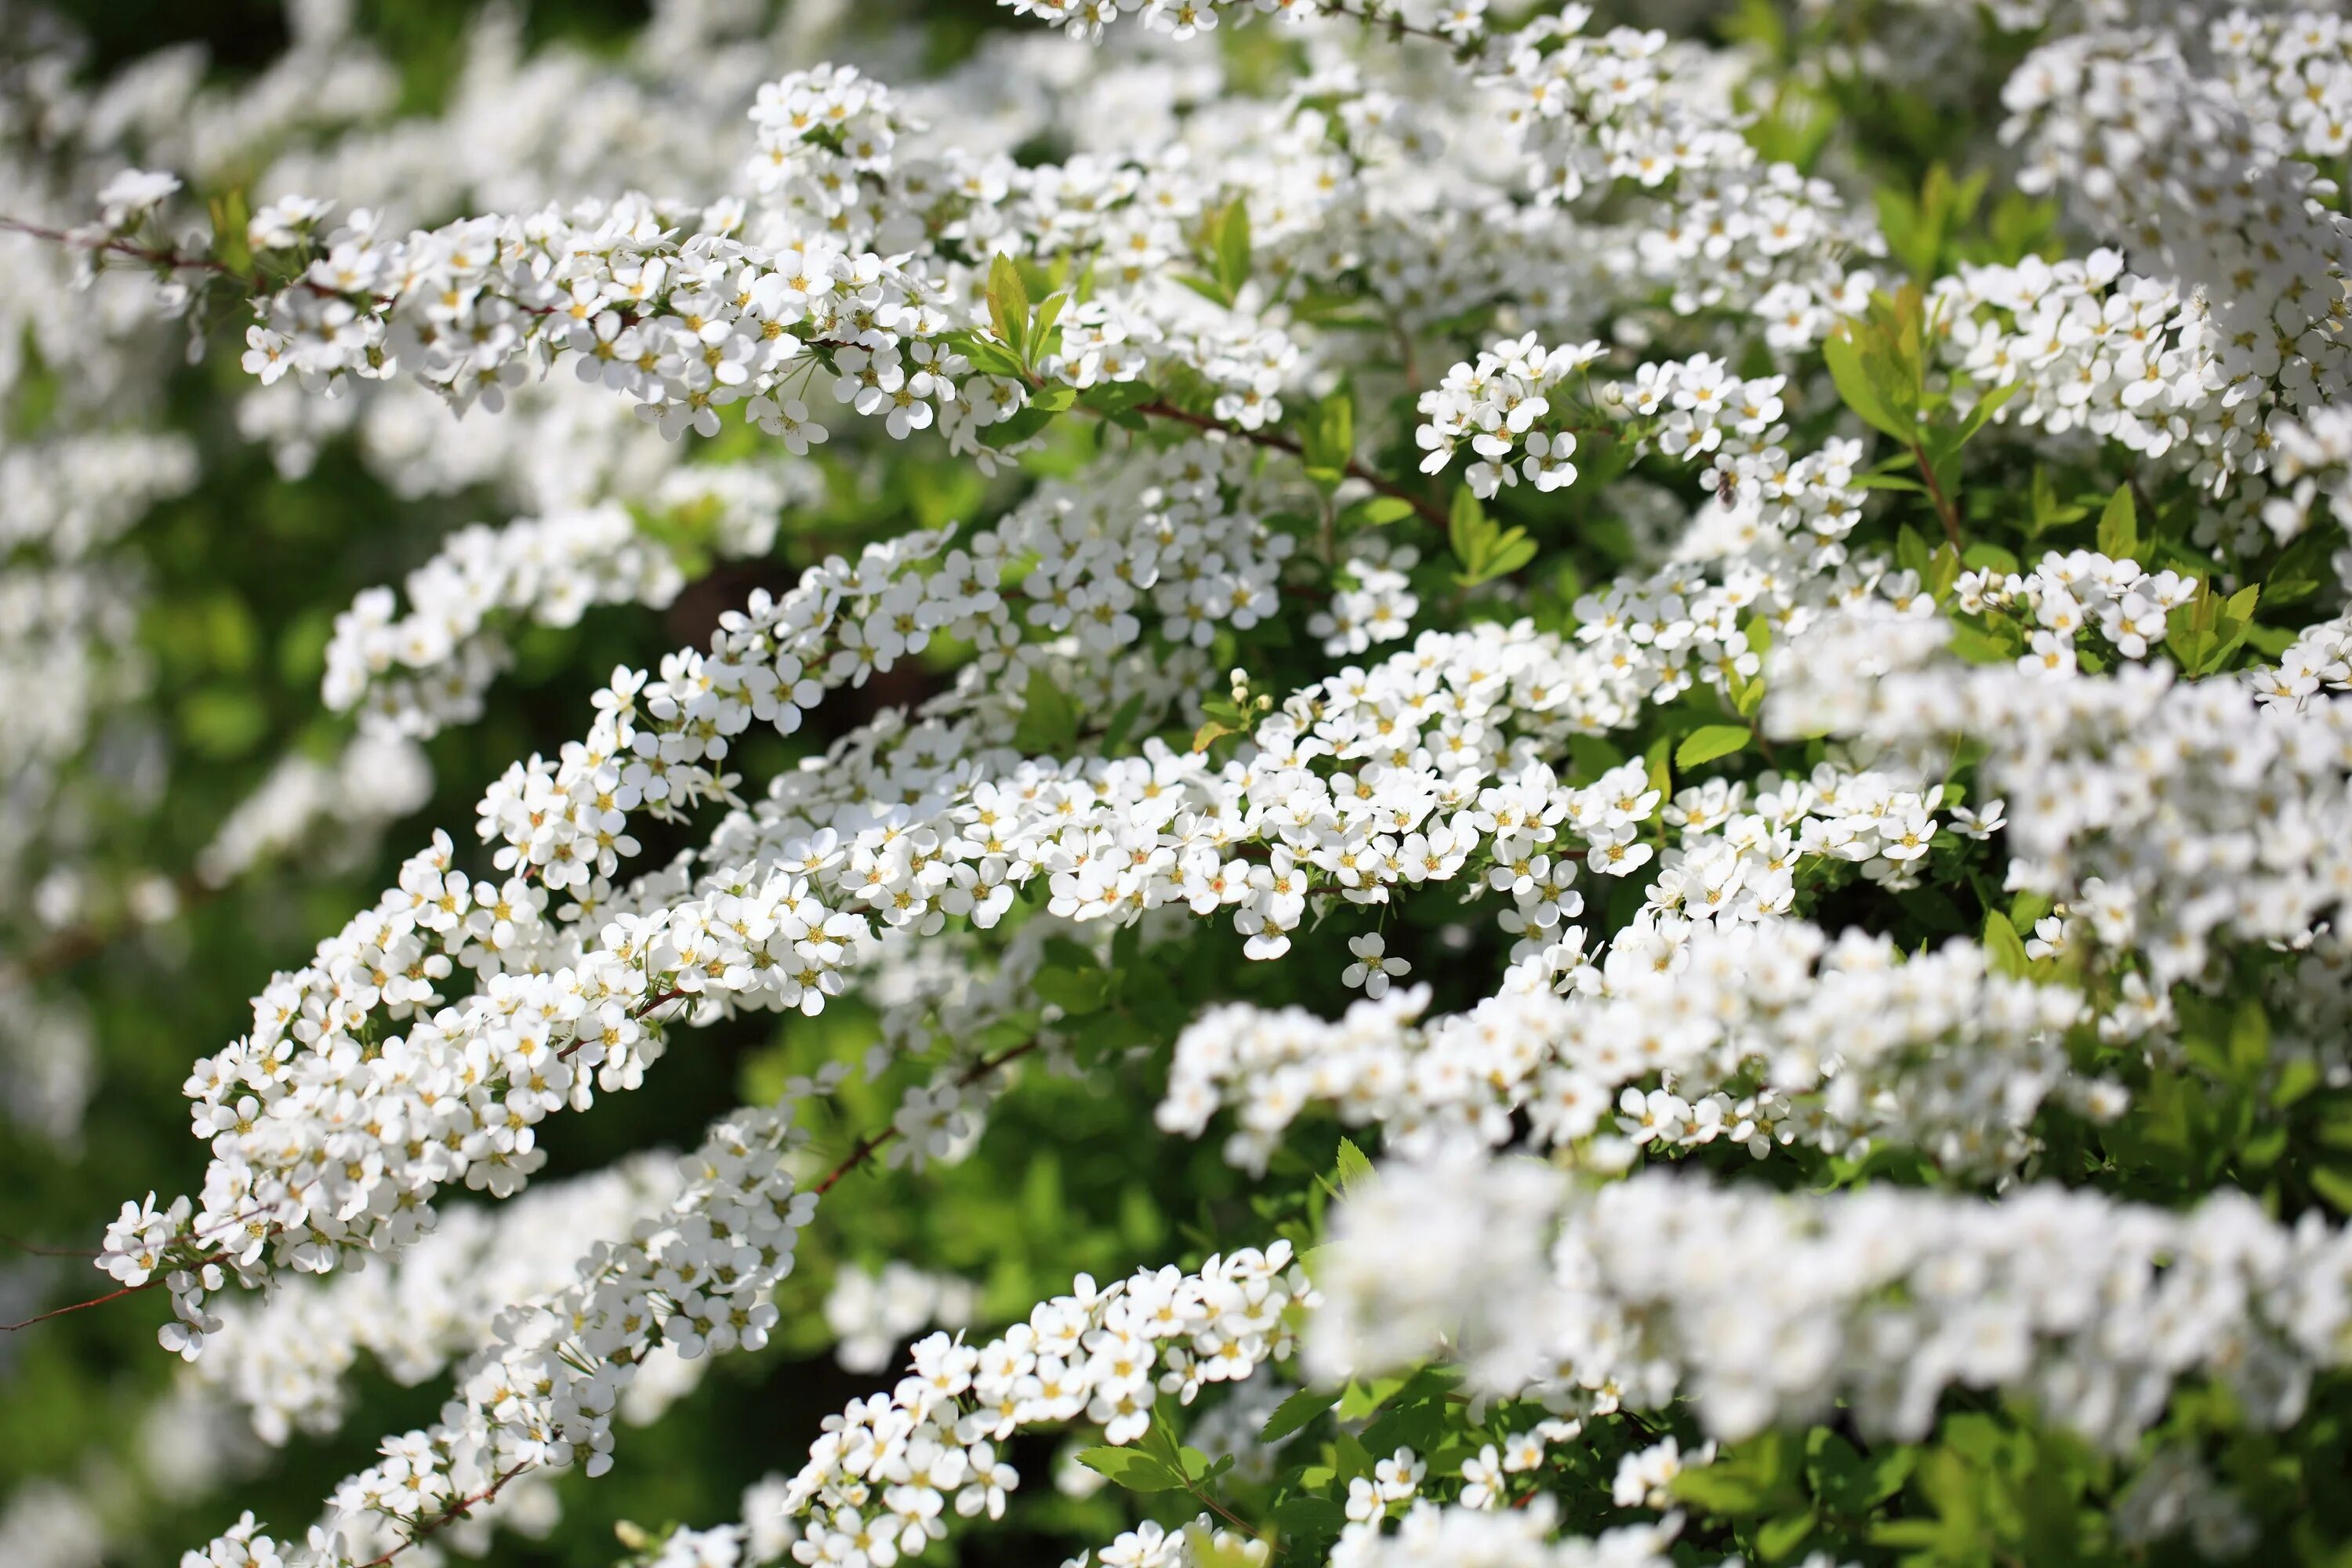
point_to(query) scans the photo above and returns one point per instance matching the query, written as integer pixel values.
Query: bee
(1726, 488)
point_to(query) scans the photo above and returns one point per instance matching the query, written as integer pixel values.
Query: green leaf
(1329, 441)
(2027, 907)
(1049, 724)
(1983, 556)
(2004, 950)
(1848, 1481)
(1708, 741)
(1973, 645)
(1055, 398)
(1911, 552)
(1376, 511)
(1206, 288)
(1042, 329)
(1115, 734)
(1008, 306)
(989, 355)
(1466, 527)
(1854, 386)
(2333, 1182)
(1986, 407)
(1022, 424)
(1077, 992)
(2119, 526)
(2301, 569)
(1352, 1166)
(1777, 1540)
(1308, 1525)
(1756, 1477)
(1132, 1469)
(1232, 247)
(2250, 1042)
(1293, 1414)
(1117, 396)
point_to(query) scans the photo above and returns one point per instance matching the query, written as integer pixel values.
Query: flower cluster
(878, 1483)
(2165, 812)
(1742, 1036)
(541, 1393)
(416, 673)
(285, 1358)
(1764, 1308)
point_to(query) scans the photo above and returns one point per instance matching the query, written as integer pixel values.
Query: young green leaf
(1008, 307)
(2119, 526)
(1708, 741)
(1293, 1414)
(2004, 950)
(1133, 1470)
(1232, 247)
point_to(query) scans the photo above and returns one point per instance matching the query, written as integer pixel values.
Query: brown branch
(1945, 510)
(81, 1306)
(1157, 409)
(865, 1147)
(449, 1516)
(117, 245)
(21, 1245)
(62, 950)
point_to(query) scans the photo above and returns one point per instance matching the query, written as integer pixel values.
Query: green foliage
(1485, 549)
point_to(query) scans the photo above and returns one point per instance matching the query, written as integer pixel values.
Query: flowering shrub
(1380, 783)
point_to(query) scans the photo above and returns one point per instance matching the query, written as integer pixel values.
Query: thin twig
(1163, 410)
(21, 1245)
(81, 1306)
(865, 1147)
(1945, 509)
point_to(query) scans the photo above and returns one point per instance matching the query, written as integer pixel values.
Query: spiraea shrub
(1164, 783)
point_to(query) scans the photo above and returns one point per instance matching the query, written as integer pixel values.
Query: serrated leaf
(1973, 645)
(1210, 734)
(1132, 1469)
(990, 356)
(1352, 1167)
(1708, 741)
(1294, 1414)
